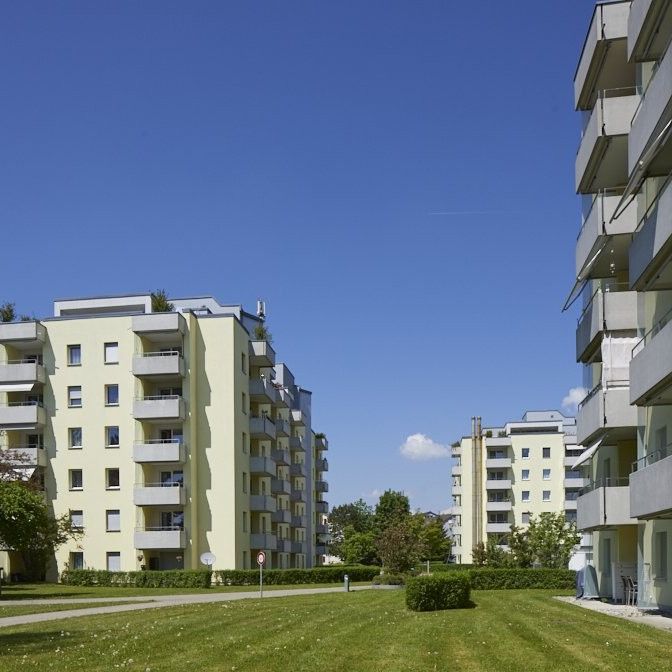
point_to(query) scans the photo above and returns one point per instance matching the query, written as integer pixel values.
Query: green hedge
(328, 574)
(177, 578)
(503, 579)
(447, 567)
(389, 579)
(438, 591)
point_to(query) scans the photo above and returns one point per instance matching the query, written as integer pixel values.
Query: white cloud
(574, 397)
(421, 447)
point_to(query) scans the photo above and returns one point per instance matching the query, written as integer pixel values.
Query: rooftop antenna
(261, 309)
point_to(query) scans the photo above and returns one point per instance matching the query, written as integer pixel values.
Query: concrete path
(654, 619)
(149, 602)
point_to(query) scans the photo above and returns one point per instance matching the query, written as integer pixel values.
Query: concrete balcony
(263, 466)
(283, 516)
(571, 459)
(602, 159)
(282, 427)
(284, 546)
(498, 506)
(262, 427)
(284, 399)
(605, 409)
(498, 463)
(262, 391)
(24, 456)
(457, 489)
(159, 450)
(261, 354)
(21, 372)
(265, 542)
(321, 549)
(296, 444)
(299, 496)
(321, 528)
(651, 486)
(300, 521)
(21, 334)
(456, 470)
(298, 418)
(493, 484)
(651, 367)
(498, 528)
(280, 486)
(21, 415)
(158, 494)
(603, 61)
(648, 29)
(570, 504)
(298, 470)
(321, 486)
(159, 408)
(159, 538)
(651, 248)
(604, 507)
(281, 457)
(299, 547)
(321, 464)
(263, 503)
(573, 483)
(321, 507)
(593, 257)
(159, 324)
(321, 443)
(152, 364)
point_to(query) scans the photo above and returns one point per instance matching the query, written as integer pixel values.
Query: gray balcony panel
(22, 333)
(21, 416)
(494, 442)
(575, 482)
(605, 411)
(298, 470)
(498, 506)
(502, 484)
(321, 443)
(299, 547)
(604, 507)
(263, 503)
(456, 470)
(159, 408)
(281, 456)
(649, 26)
(498, 462)
(299, 496)
(262, 427)
(149, 540)
(570, 505)
(158, 495)
(23, 372)
(300, 521)
(261, 354)
(322, 507)
(284, 546)
(159, 451)
(26, 456)
(263, 466)
(651, 370)
(321, 486)
(321, 464)
(282, 427)
(158, 323)
(158, 364)
(266, 542)
(282, 516)
(498, 527)
(280, 486)
(262, 391)
(651, 490)
(296, 444)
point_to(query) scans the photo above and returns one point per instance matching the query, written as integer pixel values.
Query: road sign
(261, 558)
(208, 559)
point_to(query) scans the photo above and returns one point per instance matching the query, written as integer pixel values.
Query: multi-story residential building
(504, 475)
(623, 88)
(164, 435)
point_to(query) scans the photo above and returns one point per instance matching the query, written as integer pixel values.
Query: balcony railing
(162, 363)
(159, 450)
(159, 494)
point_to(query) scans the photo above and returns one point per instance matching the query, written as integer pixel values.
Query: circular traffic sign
(261, 558)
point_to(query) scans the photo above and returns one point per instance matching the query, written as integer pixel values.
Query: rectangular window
(244, 402)
(112, 437)
(77, 519)
(526, 475)
(111, 395)
(77, 560)
(546, 452)
(76, 479)
(112, 479)
(243, 362)
(244, 521)
(526, 453)
(605, 563)
(111, 353)
(525, 518)
(75, 396)
(74, 355)
(113, 561)
(660, 555)
(547, 474)
(546, 496)
(245, 448)
(112, 520)
(75, 437)
(525, 496)
(244, 482)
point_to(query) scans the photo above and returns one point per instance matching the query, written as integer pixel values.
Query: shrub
(431, 593)
(177, 578)
(328, 574)
(447, 567)
(389, 579)
(503, 579)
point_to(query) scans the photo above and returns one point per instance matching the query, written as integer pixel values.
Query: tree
(490, 555)
(7, 312)
(261, 333)
(356, 517)
(160, 303)
(393, 508)
(521, 551)
(552, 539)
(26, 526)
(358, 548)
(435, 540)
(400, 545)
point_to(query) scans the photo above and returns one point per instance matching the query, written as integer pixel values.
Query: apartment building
(503, 475)
(623, 90)
(164, 435)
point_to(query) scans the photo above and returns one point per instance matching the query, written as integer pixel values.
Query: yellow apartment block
(164, 435)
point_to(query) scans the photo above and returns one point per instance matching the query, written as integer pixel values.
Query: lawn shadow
(14, 592)
(39, 642)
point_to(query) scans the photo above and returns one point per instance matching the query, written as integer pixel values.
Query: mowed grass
(365, 631)
(21, 609)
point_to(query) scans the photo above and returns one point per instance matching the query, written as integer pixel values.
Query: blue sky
(394, 178)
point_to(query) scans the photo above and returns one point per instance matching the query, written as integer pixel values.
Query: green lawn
(366, 631)
(21, 609)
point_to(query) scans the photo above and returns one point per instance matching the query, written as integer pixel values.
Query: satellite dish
(208, 559)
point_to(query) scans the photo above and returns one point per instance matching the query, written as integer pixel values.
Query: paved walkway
(148, 602)
(654, 619)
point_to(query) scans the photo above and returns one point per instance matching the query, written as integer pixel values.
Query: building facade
(623, 90)
(164, 435)
(503, 475)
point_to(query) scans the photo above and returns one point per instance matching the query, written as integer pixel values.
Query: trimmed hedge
(448, 567)
(389, 579)
(438, 591)
(328, 574)
(506, 579)
(174, 578)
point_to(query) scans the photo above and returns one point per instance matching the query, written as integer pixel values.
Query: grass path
(366, 631)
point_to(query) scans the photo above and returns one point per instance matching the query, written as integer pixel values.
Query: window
(111, 353)
(112, 479)
(605, 559)
(525, 518)
(245, 482)
(77, 519)
(75, 396)
(525, 496)
(77, 560)
(75, 438)
(546, 474)
(113, 561)
(660, 556)
(112, 520)
(76, 479)
(111, 395)
(244, 521)
(245, 449)
(570, 516)
(526, 453)
(546, 452)
(172, 478)
(112, 437)
(244, 401)
(74, 355)
(526, 475)
(546, 496)
(243, 362)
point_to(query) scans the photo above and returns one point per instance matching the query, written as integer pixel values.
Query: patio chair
(632, 591)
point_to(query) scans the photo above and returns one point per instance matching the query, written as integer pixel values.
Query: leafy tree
(552, 539)
(393, 508)
(358, 547)
(479, 554)
(160, 303)
(400, 545)
(7, 312)
(521, 551)
(356, 517)
(435, 540)
(27, 527)
(261, 333)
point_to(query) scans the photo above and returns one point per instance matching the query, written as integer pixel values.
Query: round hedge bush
(438, 591)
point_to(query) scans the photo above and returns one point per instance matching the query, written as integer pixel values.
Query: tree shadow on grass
(18, 592)
(39, 642)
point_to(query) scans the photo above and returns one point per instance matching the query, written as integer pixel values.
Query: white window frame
(522, 454)
(111, 353)
(109, 387)
(112, 515)
(525, 475)
(107, 437)
(71, 444)
(115, 565)
(108, 471)
(546, 475)
(73, 397)
(71, 473)
(522, 496)
(546, 496)
(71, 350)
(77, 519)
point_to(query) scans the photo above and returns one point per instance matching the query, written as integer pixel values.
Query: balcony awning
(16, 387)
(582, 278)
(587, 454)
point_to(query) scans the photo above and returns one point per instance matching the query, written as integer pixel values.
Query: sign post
(261, 559)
